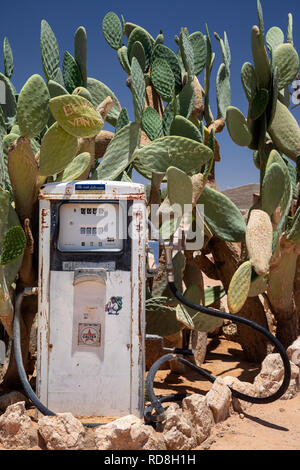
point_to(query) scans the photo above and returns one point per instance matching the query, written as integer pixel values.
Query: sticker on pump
(89, 188)
(89, 334)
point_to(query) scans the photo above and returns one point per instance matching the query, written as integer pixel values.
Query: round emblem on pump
(89, 335)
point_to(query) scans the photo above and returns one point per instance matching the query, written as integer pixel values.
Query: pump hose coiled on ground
(156, 403)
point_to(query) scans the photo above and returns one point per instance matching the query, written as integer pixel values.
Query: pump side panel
(89, 375)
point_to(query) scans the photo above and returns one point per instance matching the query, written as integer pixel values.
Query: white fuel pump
(91, 298)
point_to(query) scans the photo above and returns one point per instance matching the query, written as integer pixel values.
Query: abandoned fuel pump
(94, 255)
(91, 298)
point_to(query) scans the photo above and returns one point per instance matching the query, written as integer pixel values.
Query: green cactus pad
(49, 52)
(76, 115)
(185, 128)
(285, 132)
(123, 59)
(161, 319)
(163, 79)
(294, 232)
(198, 43)
(33, 107)
(196, 320)
(23, 173)
(249, 81)
(99, 92)
(139, 34)
(84, 92)
(260, 58)
(56, 89)
(161, 51)
(138, 89)
(57, 150)
(152, 123)
(80, 52)
(223, 91)
(119, 154)
(4, 207)
(272, 188)
(168, 115)
(289, 37)
(180, 188)
(239, 287)
(286, 199)
(9, 108)
(179, 152)
(112, 30)
(130, 27)
(237, 127)
(187, 52)
(274, 38)
(259, 239)
(222, 216)
(273, 97)
(71, 72)
(123, 119)
(213, 294)
(77, 169)
(286, 58)
(138, 52)
(13, 246)
(8, 58)
(186, 100)
(259, 104)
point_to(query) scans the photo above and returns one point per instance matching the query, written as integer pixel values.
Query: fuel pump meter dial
(91, 227)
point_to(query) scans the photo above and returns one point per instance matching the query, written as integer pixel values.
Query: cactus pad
(198, 44)
(285, 132)
(57, 150)
(163, 52)
(237, 127)
(13, 246)
(139, 34)
(249, 81)
(76, 115)
(259, 104)
(239, 287)
(123, 119)
(80, 52)
(78, 169)
(99, 91)
(184, 127)
(8, 58)
(163, 79)
(287, 60)
(180, 188)
(112, 30)
(272, 188)
(138, 88)
(33, 110)
(222, 216)
(71, 72)
(151, 123)
(259, 238)
(274, 38)
(182, 153)
(49, 52)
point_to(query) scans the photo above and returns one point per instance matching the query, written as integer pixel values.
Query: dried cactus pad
(239, 287)
(33, 110)
(259, 237)
(14, 243)
(76, 115)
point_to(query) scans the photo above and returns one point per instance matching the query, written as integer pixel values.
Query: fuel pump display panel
(91, 227)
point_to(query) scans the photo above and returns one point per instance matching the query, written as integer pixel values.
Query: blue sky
(21, 20)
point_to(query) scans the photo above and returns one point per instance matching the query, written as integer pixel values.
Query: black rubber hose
(19, 360)
(156, 403)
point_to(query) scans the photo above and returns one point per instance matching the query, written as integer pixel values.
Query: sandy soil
(275, 426)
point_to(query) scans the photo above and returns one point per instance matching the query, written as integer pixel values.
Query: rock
(242, 387)
(17, 431)
(293, 352)
(178, 432)
(198, 344)
(270, 377)
(128, 433)
(219, 400)
(154, 349)
(62, 432)
(11, 398)
(199, 415)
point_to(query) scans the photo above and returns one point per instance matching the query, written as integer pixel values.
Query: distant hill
(242, 196)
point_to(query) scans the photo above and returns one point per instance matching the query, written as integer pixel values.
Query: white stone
(128, 433)
(293, 352)
(199, 415)
(17, 431)
(179, 433)
(62, 432)
(219, 400)
(270, 377)
(242, 387)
